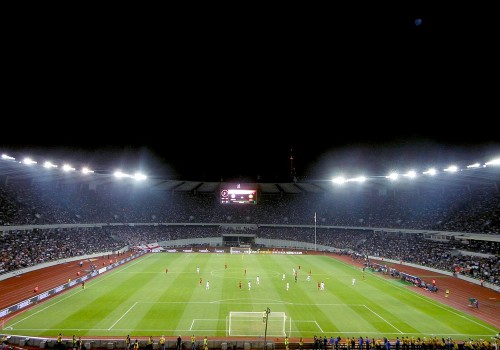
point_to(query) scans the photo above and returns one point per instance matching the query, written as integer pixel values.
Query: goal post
(254, 324)
(240, 250)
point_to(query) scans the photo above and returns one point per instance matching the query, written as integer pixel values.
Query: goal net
(240, 250)
(254, 324)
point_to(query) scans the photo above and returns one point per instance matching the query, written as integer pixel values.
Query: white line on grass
(430, 301)
(319, 327)
(69, 296)
(126, 312)
(228, 303)
(383, 319)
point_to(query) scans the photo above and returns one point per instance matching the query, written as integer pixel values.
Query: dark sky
(211, 97)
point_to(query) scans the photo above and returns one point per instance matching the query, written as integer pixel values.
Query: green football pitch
(143, 298)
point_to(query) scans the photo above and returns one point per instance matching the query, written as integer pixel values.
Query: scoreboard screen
(238, 196)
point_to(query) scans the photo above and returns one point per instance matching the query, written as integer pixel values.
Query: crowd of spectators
(474, 210)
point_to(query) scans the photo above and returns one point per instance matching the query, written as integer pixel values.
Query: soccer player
(353, 281)
(198, 270)
(239, 284)
(258, 280)
(201, 281)
(207, 286)
(249, 285)
(287, 286)
(283, 277)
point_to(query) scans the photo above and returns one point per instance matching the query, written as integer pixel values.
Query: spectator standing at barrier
(149, 344)
(127, 342)
(73, 342)
(179, 343)
(193, 342)
(162, 342)
(301, 343)
(447, 293)
(205, 343)
(59, 341)
(136, 344)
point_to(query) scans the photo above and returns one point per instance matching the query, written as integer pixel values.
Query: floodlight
(493, 162)
(28, 161)
(393, 176)
(451, 169)
(339, 180)
(67, 167)
(48, 165)
(6, 157)
(139, 176)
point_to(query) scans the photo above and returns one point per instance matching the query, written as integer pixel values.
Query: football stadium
(354, 263)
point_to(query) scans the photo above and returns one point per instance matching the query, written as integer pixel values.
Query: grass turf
(142, 299)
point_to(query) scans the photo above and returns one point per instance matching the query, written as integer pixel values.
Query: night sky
(231, 98)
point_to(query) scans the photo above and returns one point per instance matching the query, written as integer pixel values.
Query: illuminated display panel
(238, 196)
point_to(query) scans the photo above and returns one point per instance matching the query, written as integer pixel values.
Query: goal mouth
(240, 250)
(254, 324)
